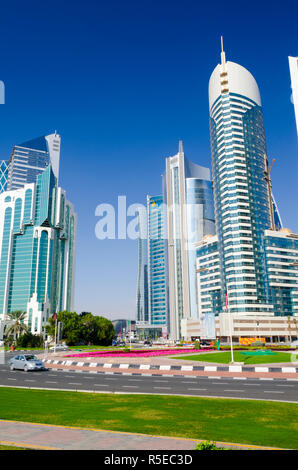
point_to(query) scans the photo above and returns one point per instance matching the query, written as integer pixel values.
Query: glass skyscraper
(31, 158)
(3, 175)
(158, 301)
(152, 298)
(190, 216)
(242, 197)
(252, 258)
(37, 249)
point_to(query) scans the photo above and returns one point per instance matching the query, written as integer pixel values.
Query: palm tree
(18, 326)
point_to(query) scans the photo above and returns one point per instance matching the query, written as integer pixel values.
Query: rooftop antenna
(222, 55)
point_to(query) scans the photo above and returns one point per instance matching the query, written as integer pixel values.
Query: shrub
(197, 345)
(207, 445)
(28, 340)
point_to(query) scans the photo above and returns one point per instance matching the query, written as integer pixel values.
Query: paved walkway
(48, 437)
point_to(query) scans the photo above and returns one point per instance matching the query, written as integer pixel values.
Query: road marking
(134, 380)
(73, 383)
(188, 382)
(51, 382)
(30, 380)
(130, 386)
(11, 379)
(100, 385)
(252, 385)
(285, 385)
(163, 381)
(272, 391)
(201, 389)
(163, 388)
(221, 383)
(233, 390)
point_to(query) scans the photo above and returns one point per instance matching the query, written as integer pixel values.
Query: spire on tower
(222, 55)
(180, 146)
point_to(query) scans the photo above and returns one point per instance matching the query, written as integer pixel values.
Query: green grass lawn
(243, 421)
(225, 358)
(11, 448)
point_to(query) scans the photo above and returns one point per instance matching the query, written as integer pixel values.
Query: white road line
(188, 382)
(221, 383)
(11, 379)
(72, 383)
(163, 381)
(50, 382)
(100, 385)
(30, 380)
(272, 391)
(233, 390)
(285, 385)
(201, 389)
(130, 386)
(163, 388)
(252, 385)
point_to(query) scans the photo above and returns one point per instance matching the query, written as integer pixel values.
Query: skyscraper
(152, 298)
(190, 216)
(3, 175)
(37, 251)
(293, 63)
(252, 260)
(158, 298)
(31, 158)
(242, 197)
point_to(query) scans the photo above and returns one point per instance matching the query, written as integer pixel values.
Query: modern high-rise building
(31, 158)
(142, 316)
(3, 175)
(37, 251)
(242, 196)
(293, 63)
(158, 298)
(152, 297)
(190, 216)
(252, 261)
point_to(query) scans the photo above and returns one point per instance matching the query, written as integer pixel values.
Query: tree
(71, 327)
(18, 326)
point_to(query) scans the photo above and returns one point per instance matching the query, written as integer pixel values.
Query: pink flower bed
(152, 353)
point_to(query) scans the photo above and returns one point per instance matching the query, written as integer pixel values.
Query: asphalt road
(227, 387)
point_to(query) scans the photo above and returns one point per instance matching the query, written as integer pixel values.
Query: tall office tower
(142, 317)
(3, 175)
(293, 63)
(190, 216)
(152, 302)
(242, 188)
(37, 251)
(158, 298)
(30, 159)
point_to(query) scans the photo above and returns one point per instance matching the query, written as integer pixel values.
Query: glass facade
(3, 175)
(37, 254)
(28, 160)
(158, 302)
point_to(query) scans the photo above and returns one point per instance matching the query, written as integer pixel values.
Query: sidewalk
(48, 437)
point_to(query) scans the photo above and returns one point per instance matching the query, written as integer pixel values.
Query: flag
(54, 316)
(227, 300)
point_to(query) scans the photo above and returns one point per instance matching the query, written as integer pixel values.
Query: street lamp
(230, 323)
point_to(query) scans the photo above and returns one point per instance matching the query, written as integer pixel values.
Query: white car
(294, 344)
(59, 347)
(1, 344)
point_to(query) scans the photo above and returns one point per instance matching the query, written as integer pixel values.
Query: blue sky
(122, 82)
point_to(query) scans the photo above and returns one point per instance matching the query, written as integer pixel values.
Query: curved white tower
(241, 196)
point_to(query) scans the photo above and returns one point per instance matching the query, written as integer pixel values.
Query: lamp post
(230, 323)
